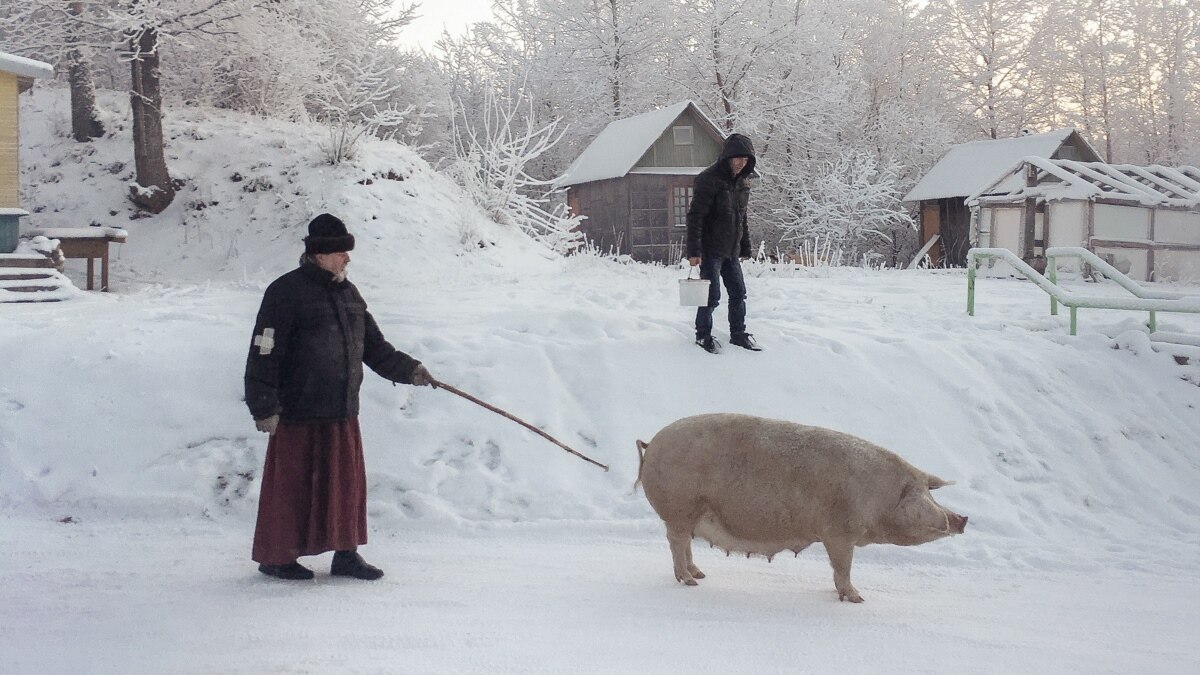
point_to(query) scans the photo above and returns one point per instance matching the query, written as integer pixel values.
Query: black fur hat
(327, 234)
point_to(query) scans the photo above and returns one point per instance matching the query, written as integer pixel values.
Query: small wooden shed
(969, 167)
(1144, 219)
(16, 76)
(633, 182)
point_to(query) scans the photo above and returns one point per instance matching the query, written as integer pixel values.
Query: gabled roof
(617, 148)
(23, 67)
(968, 167)
(1153, 185)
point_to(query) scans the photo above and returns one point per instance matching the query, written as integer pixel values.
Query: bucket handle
(694, 267)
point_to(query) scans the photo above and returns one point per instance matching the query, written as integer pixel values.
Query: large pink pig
(761, 486)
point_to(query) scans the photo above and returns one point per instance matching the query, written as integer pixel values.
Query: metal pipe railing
(1102, 266)
(1147, 300)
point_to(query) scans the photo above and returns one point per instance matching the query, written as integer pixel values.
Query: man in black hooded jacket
(718, 239)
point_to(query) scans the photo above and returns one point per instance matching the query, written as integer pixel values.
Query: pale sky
(453, 15)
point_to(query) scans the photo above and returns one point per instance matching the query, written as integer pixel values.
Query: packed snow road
(146, 597)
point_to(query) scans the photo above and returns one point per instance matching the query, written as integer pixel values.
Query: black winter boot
(709, 344)
(745, 341)
(292, 571)
(351, 564)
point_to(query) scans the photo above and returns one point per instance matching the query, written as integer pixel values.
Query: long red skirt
(314, 492)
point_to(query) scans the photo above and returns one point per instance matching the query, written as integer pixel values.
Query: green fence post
(971, 286)
(1153, 321)
(1073, 323)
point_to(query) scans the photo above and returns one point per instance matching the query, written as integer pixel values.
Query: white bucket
(693, 292)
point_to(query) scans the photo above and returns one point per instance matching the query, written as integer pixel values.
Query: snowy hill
(121, 414)
(250, 187)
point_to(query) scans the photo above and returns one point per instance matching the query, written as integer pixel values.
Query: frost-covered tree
(355, 92)
(1087, 57)
(849, 102)
(841, 113)
(586, 61)
(334, 62)
(65, 33)
(986, 46)
(720, 44)
(492, 167)
(85, 120)
(1166, 69)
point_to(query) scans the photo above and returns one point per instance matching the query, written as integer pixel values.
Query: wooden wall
(633, 215)
(703, 151)
(1149, 244)
(653, 234)
(931, 224)
(9, 161)
(637, 214)
(606, 205)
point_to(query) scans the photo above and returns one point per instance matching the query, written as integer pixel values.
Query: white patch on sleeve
(265, 342)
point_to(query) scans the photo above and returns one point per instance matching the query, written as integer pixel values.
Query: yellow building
(16, 75)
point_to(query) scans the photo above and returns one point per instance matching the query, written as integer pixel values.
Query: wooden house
(945, 219)
(16, 76)
(1145, 220)
(633, 182)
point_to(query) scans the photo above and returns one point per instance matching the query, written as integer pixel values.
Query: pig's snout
(957, 523)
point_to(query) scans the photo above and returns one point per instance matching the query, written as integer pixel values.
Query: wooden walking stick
(442, 385)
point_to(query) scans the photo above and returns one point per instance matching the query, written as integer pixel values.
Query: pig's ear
(935, 482)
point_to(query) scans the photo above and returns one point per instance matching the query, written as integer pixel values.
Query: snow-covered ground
(129, 465)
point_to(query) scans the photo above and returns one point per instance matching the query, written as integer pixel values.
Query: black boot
(709, 344)
(292, 571)
(351, 564)
(745, 341)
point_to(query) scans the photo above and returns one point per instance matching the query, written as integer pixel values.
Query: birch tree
(986, 45)
(1167, 63)
(719, 43)
(1088, 53)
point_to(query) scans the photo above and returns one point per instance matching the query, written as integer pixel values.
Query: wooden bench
(85, 242)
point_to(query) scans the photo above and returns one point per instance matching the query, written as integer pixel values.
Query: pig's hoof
(685, 578)
(851, 595)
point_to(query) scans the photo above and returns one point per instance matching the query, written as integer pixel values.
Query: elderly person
(312, 336)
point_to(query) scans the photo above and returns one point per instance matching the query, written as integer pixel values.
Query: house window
(681, 199)
(683, 135)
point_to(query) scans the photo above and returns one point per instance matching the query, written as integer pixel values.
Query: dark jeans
(730, 272)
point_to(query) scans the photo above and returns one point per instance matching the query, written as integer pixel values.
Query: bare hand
(267, 424)
(420, 377)
(693, 261)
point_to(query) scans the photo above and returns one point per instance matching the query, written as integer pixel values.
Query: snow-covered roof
(1153, 185)
(966, 168)
(19, 65)
(622, 143)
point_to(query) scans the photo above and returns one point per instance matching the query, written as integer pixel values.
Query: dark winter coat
(716, 220)
(311, 339)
